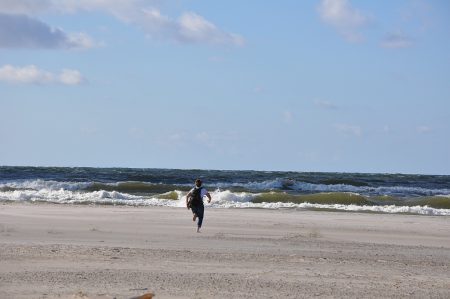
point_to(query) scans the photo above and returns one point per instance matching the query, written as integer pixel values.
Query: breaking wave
(340, 186)
(128, 187)
(137, 187)
(382, 193)
(340, 201)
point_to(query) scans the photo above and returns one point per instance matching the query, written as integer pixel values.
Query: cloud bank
(31, 74)
(188, 28)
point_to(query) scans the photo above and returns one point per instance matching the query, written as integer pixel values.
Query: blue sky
(333, 85)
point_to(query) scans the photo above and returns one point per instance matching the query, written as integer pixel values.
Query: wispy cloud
(21, 31)
(222, 143)
(259, 89)
(188, 28)
(136, 133)
(219, 142)
(415, 17)
(423, 129)
(31, 74)
(193, 28)
(327, 105)
(89, 131)
(396, 40)
(418, 14)
(349, 130)
(288, 116)
(344, 18)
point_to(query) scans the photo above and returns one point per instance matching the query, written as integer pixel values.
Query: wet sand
(65, 251)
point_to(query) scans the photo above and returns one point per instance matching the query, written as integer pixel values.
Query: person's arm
(187, 199)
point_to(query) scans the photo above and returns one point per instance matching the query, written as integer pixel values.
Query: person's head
(198, 182)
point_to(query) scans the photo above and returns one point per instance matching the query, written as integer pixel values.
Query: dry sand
(63, 251)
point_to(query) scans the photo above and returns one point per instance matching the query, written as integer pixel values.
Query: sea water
(382, 193)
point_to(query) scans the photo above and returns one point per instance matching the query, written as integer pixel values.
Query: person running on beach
(194, 201)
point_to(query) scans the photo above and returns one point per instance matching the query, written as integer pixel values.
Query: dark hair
(198, 182)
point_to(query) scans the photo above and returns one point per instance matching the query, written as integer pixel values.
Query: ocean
(317, 191)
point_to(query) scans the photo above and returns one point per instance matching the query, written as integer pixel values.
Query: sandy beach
(67, 251)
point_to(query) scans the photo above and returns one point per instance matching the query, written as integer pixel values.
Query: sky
(330, 85)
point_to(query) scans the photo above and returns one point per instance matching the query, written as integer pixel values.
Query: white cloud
(70, 77)
(27, 74)
(21, 31)
(194, 28)
(347, 20)
(188, 28)
(31, 74)
(396, 40)
(81, 41)
(350, 130)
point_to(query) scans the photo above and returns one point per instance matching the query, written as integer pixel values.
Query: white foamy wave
(228, 196)
(62, 196)
(227, 199)
(266, 185)
(391, 209)
(45, 185)
(221, 199)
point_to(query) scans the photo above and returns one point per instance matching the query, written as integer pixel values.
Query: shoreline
(58, 251)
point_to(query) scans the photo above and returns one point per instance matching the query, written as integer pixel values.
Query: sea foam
(221, 199)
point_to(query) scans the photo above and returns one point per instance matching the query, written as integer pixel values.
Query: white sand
(62, 251)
